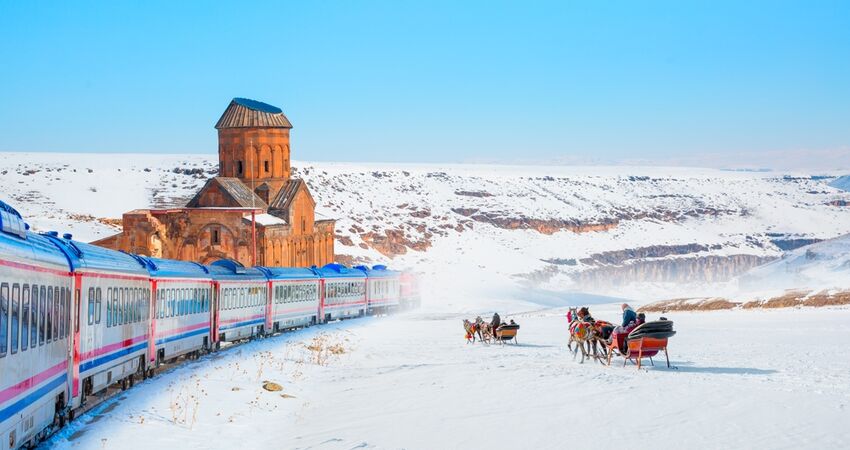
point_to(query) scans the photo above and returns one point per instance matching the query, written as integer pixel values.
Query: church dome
(247, 113)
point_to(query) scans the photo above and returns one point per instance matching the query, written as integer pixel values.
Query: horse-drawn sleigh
(505, 332)
(601, 340)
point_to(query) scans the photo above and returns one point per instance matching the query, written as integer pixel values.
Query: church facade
(253, 212)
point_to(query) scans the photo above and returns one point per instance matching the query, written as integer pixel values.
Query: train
(76, 319)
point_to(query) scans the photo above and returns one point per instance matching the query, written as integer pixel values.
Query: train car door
(214, 310)
(152, 311)
(76, 317)
(269, 307)
(321, 301)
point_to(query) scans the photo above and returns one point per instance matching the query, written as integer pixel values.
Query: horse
(471, 330)
(485, 329)
(586, 336)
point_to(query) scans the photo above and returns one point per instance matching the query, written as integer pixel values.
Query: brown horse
(587, 336)
(485, 330)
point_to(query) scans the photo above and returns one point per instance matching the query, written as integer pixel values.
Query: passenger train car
(382, 288)
(343, 293)
(76, 318)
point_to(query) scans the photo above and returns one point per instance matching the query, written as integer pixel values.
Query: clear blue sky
(431, 81)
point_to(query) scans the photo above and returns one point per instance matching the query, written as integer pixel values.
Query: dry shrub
(794, 298)
(186, 403)
(325, 347)
(828, 299)
(688, 304)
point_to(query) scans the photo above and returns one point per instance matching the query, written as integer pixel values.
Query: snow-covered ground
(485, 222)
(742, 379)
(487, 238)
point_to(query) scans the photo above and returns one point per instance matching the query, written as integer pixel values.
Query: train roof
(339, 271)
(20, 244)
(170, 268)
(288, 273)
(227, 269)
(33, 247)
(91, 257)
(378, 271)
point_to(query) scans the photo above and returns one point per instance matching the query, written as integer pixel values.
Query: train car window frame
(98, 305)
(34, 322)
(4, 318)
(91, 306)
(115, 305)
(48, 327)
(128, 317)
(15, 318)
(57, 296)
(62, 296)
(42, 315)
(109, 307)
(25, 317)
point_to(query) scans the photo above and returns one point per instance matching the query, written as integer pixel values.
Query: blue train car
(382, 288)
(295, 299)
(343, 292)
(181, 315)
(241, 294)
(35, 331)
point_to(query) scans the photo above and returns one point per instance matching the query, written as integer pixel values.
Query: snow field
(744, 379)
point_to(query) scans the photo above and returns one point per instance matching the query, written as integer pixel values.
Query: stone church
(252, 212)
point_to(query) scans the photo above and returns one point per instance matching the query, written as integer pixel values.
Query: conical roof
(247, 113)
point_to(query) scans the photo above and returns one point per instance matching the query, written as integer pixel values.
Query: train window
(42, 315)
(108, 307)
(173, 310)
(97, 305)
(133, 305)
(91, 306)
(122, 306)
(115, 309)
(61, 327)
(172, 302)
(14, 321)
(159, 304)
(241, 297)
(4, 317)
(34, 322)
(49, 326)
(67, 312)
(127, 301)
(56, 317)
(25, 317)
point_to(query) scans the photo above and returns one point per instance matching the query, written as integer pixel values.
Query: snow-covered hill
(622, 231)
(824, 266)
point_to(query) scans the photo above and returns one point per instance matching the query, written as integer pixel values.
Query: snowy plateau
(524, 241)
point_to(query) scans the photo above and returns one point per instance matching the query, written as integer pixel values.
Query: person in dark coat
(496, 321)
(629, 315)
